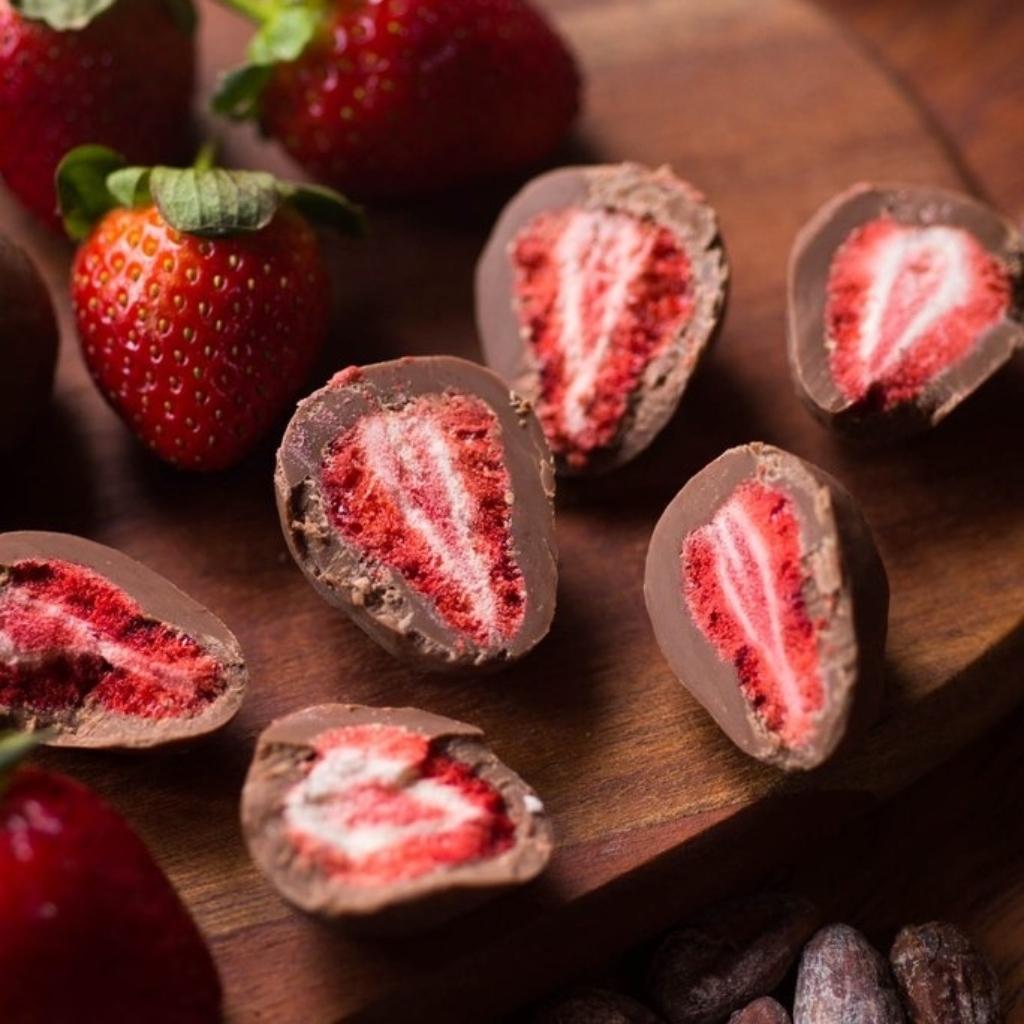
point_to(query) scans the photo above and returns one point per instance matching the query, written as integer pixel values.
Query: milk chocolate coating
(846, 584)
(28, 345)
(809, 265)
(595, 1006)
(375, 597)
(282, 753)
(93, 725)
(630, 188)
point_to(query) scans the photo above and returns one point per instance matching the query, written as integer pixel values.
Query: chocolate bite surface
(770, 603)
(902, 301)
(416, 495)
(389, 817)
(104, 652)
(599, 290)
(28, 345)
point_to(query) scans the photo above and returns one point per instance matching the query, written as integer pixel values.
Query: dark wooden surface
(951, 846)
(769, 108)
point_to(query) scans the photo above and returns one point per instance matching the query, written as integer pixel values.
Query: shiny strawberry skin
(401, 96)
(198, 343)
(124, 81)
(91, 931)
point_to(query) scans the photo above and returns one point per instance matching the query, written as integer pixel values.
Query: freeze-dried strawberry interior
(69, 639)
(424, 490)
(906, 303)
(379, 804)
(743, 583)
(600, 293)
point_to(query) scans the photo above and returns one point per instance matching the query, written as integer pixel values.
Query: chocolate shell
(284, 754)
(794, 603)
(416, 495)
(908, 406)
(28, 345)
(644, 202)
(102, 652)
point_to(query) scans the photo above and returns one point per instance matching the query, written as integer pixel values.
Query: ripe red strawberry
(198, 322)
(386, 97)
(72, 73)
(91, 931)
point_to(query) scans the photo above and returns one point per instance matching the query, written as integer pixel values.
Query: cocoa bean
(737, 952)
(843, 979)
(943, 978)
(761, 1011)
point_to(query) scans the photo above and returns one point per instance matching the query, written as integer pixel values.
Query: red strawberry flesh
(424, 490)
(600, 294)
(380, 804)
(906, 303)
(70, 638)
(743, 583)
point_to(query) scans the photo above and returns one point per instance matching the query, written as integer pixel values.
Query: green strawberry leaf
(284, 35)
(325, 206)
(82, 187)
(214, 201)
(238, 92)
(200, 200)
(130, 186)
(71, 15)
(62, 15)
(285, 31)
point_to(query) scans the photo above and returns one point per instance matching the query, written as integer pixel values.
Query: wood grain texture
(768, 109)
(961, 62)
(947, 848)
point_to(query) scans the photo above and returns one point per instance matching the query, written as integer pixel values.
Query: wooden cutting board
(769, 110)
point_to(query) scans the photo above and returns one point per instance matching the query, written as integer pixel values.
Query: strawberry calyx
(285, 29)
(74, 15)
(200, 200)
(13, 748)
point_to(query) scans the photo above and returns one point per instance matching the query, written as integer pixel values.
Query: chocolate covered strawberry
(91, 931)
(903, 301)
(200, 295)
(118, 72)
(390, 98)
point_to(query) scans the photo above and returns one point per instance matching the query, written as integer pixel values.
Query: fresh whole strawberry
(91, 930)
(117, 72)
(201, 297)
(390, 97)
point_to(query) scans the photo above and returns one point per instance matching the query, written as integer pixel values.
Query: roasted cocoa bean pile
(766, 959)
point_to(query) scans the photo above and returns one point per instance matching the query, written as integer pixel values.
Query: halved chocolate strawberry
(770, 602)
(391, 818)
(597, 293)
(104, 652)
(902, 301)
(416, 495)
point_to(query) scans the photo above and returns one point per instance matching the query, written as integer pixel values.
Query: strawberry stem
(206, 156)
(13, 748)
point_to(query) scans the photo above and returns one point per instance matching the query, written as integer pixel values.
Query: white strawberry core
(379, 805)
